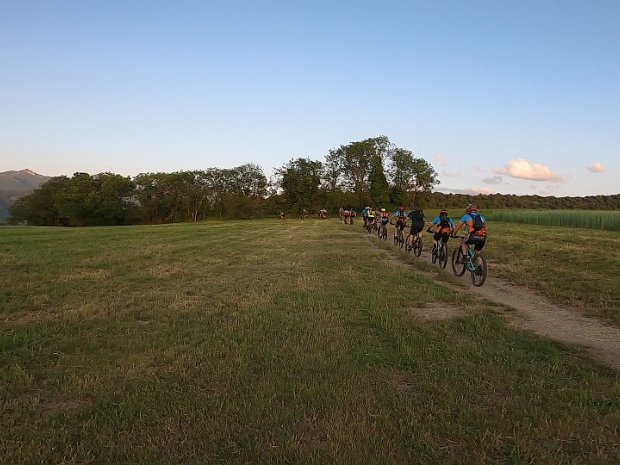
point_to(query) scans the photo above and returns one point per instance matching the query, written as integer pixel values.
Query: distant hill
(16, 184)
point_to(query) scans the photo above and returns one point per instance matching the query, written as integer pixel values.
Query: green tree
(378, 185)
(300, 180)
(411, 175)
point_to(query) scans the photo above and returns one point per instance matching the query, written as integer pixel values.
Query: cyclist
(401, 220)
(370, 217)
(417, 224)
(352, 215)
(476, 230)
(384, 217)
(444, 226)
(341, 213)
(365, 215)
(282, 216)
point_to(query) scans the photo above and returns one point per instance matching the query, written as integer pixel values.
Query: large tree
(410, 175)
(356, 161)
(300, 180)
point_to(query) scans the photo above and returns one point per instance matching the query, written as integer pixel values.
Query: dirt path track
(537, 314)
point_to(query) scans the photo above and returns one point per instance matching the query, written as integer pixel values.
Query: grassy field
(262, 342)
(607, 220)
(577, 267)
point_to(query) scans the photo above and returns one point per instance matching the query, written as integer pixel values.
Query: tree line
(369, 172)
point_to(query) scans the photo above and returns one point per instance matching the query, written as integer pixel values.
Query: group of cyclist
(442, 225)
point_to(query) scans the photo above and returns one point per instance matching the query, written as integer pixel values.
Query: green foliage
(379, 187)
(300, 181)
(352, 175)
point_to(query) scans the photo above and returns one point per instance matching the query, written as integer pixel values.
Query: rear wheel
(458, 268)
(434, 253)
(479, 275)
(417, 248)
(442, 255)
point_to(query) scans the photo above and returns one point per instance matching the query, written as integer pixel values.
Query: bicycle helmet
(401, 209)
(383, 209)
(471, 208)
(443, 212)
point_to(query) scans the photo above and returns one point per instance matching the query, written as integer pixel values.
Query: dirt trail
(537, 314)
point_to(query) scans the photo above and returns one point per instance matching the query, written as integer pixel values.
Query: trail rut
(535, 313)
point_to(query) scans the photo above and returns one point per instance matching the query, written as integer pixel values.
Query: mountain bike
(439, 253)
(399, 239)
(475, 264)
(382, 231)
(414, 244)
(371, 226)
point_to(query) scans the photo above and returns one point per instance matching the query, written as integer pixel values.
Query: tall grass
(601, 220)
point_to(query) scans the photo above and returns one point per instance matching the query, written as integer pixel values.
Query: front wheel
(458, 268)
(434, 254)
(479, 274)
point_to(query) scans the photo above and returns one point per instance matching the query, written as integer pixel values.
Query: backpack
(444, 222)
(417, 215)
(477, 222)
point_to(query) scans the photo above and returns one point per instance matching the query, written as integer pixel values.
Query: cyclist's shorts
(385, 220)
(476, 240)
(443, 236)
(416, 228)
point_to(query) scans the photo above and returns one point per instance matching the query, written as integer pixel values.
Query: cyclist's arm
(458, 227)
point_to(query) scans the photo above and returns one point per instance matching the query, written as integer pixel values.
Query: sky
(515, 97)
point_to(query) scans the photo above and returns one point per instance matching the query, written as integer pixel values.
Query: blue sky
(500, 96)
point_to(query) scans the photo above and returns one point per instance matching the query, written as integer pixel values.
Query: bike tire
(479, 275)
(458, 268)
(443, 256)
(417, 249)
(434, 254)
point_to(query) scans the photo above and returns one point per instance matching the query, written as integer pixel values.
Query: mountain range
(16, 184)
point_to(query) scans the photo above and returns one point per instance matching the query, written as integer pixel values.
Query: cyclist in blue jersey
(476, 225)
(444, 226)
(365, 215)
(401, 220)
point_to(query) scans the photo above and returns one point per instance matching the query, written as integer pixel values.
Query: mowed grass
(576, 267)
(262, 342)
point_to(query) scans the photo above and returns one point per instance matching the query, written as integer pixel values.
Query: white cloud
(596, 168)
(440, 159)
(523, 169)
(493, 180)
(472, 191)
(450, 174)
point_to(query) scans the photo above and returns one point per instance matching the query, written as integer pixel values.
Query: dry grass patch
(436, 312)
(84, 273)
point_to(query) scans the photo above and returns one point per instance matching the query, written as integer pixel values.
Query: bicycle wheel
(458, 268)
(434, 254)
(443, 255)
(408, 243)
(479, 275)
(384, 233)
(417, 248)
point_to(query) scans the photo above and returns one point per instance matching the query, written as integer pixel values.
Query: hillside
(15, 184)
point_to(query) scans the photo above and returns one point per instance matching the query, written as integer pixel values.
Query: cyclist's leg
(465, 245)
(478, 246)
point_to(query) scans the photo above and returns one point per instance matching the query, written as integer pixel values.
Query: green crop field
(295, 342)
(607, 220)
